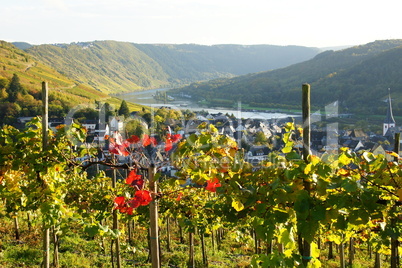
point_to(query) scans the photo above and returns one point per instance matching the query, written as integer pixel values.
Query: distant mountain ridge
(22, 45)
(111, 66)
(270, 76)
(357, 77)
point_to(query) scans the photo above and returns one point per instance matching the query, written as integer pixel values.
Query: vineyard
(293, 210)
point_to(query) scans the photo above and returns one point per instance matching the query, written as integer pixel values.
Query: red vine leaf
(212, 185)
(135, 180)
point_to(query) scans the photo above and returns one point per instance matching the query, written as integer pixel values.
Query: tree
(86, 114)
(260, 138)
(15, 88)
(123, 110)
(9, 111)
(136, 127)
(3, 82)
(3, 94)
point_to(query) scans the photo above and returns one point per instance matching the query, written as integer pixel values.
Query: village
(257, 137)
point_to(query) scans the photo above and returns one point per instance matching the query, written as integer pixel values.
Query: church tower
(389, 121)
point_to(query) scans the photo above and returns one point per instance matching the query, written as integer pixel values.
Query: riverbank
(147, 98)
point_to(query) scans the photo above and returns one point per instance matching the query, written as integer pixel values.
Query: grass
(78, 250)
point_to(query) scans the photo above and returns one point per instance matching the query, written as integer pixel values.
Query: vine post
(168, 239)
(153, 215)
(191, 260)
(306, 153)
(394, 240)
(342, 262)
(17, 228)
(204, 252)
(377, 263)
(45, 116)
(306, 120)
(116, 224)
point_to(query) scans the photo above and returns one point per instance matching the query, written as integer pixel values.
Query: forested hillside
(111, 66)
(21, 77)
(189, 62)
(107, 66)
(358, 77)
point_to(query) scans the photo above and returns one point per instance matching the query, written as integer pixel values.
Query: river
(147, 98)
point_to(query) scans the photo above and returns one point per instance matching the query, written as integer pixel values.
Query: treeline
(18, 101)
(358, 77)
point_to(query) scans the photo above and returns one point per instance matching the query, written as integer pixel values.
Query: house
(354, 145)
(202, 118)
(209, 117)
(116, 124)
(257, 154)
(390, 134)
(227, 130)
(355, 134)
(90, 125)
(24, 119)
(378, 149)
(55, 122)
(266, 130)
(240, 127)
(191, 127)
(220, 117)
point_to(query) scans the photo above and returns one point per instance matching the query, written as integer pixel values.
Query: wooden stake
(45, 116)
(306, 153)
(342, 255)
(55, 248)
(204, 251)
(16, 227)
(116, 224)
(213, 240)
(330, 250)
(351, 251)
(168, 234)
(306, 120)
(377, 263)
(153, 217)
(394, 240)
(191, 260)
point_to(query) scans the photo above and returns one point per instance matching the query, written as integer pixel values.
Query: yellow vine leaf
(314, 263)
(343, 172)
(307, 169)
(315, 251)
(392, 153)
(237, 205)
(314, 159)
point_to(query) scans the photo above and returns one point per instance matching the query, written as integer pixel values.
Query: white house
(90, 125)
(116, 124)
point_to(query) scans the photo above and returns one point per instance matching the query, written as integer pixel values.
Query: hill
(108, 66)
(64, 94)
(22, 45)
(112, 67)
(357, 77)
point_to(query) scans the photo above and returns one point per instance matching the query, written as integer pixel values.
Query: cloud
(59, 5)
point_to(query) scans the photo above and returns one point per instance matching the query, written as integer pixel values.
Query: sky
(313, 23)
